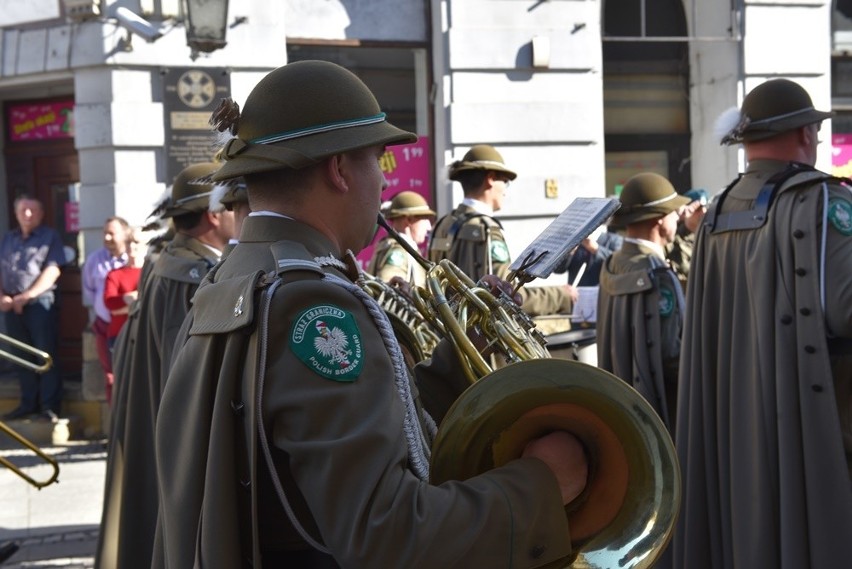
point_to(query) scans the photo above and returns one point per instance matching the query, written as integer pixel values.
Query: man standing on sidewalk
(30, 257)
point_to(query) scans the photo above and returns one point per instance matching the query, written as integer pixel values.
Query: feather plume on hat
(161, 205)
(729, 125)
(216, 195)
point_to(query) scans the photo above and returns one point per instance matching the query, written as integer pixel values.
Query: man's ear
(807, 134)
(335, 172)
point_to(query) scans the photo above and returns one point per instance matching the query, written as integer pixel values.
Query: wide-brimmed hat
(773, 107)
(480, 157)
(187, 194)
(299, 114)
(646, 196)
(408, 203)
(226, 194)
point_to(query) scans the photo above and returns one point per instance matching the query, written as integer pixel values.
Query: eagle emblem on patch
(667, 301)
(499, 252)
(840, 214)
(327, 340)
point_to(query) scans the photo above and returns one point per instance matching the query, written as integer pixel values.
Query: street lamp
(206, 24)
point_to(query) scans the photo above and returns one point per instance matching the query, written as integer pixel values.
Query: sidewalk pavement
(56, 526)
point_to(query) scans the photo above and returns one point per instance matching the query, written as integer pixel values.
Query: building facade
(101, 110)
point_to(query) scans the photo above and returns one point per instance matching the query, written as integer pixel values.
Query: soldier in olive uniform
(290, 432)
(640, 302)
(142, 355)
(679, 251)
(472, 239)
(410, 216)
(764, 421)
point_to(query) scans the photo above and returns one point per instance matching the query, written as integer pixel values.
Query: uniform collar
(647, 246)
(478, 206)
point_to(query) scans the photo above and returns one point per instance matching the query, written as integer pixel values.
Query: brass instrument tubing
(40, 453)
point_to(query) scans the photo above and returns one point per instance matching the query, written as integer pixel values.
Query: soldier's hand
(401, 285)
(496, 286)
(692, 215)
(563, 453)
(5, 303)
(573, 293)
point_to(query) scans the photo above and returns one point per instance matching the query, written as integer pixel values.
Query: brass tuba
(626, 514)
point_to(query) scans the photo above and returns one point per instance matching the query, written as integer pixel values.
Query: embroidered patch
(499, 252)
(396, 258)
(840, 214)
(667, 301)
(328, 341)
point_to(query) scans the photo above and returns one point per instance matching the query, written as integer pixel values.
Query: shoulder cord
(418, 448)
(418, 443)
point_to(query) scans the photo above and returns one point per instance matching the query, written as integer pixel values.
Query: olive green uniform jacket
(764, 427)
(339, 446)
(142, 355)
(679, 254)
(640, 318)
(390, 260)
(475, 243)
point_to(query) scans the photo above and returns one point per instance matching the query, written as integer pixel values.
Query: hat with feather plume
(298, 115)
(771, 108)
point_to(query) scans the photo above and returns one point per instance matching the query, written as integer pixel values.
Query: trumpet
(626, 515)
(44, 363)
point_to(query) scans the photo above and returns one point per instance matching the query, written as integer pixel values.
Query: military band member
(143, 354)
(290, 433)
(409, 214)
(764, 422)
(640, 302)
(472, 238)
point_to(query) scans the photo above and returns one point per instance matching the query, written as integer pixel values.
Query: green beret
(646, 196)
(299, 114)
(480, 157)
(408, 203)
(773, 107)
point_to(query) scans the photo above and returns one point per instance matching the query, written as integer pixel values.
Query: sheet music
(586, 307)
(556, 242)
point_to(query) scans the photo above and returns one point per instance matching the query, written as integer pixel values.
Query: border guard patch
(499, 252)
(667, 301)
(840, 214)
(327, 340)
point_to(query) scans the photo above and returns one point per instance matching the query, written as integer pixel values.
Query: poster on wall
(406, 167)
(841, 155)
(191, 95)
(40, 120)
